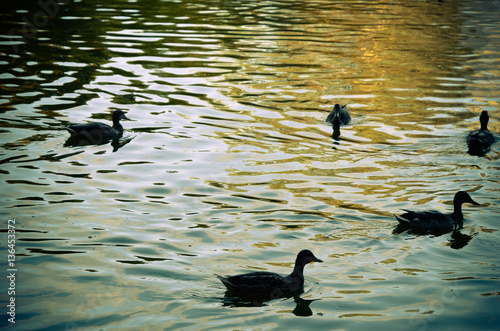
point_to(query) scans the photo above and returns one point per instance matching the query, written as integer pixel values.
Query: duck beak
(125, 118)
(317, 260)
(474, 202)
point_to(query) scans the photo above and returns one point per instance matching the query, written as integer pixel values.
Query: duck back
(262, 284)
(95, 131)
(426, 220)
(340, 114)
(479, 142)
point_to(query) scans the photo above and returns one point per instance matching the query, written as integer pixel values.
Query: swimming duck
(434, 221)
(99, 132)
(269, 285)
(480, 141)
(342, 113)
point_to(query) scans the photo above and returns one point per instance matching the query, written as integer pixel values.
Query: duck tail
(401, 220)
(71, 130)
(226, 282)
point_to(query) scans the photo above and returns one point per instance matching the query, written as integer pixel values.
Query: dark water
(229, 166)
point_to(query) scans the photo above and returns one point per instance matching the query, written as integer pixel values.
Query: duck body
(429, 221)
(99, 132)
(262, 284)
(480, 141)
(434, 221)
(339, 114)
(269, 285)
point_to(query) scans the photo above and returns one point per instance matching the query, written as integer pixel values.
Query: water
(228, 165)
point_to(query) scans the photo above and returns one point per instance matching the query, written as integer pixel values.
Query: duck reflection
(457, 239)
(302, 307)
(116, 143)
(119, 143)
(460, 240)
(234, 300)
(336, 131)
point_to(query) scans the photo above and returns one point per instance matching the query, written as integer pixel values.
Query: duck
(342, 113)
(269, 285)
(434, 221)
(99, 132)
(480, 141)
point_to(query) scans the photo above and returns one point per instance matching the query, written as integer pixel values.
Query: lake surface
(229, 166)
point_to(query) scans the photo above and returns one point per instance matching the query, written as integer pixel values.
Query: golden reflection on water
(402, 51)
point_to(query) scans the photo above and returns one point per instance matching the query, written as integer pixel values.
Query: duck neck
(298, 269)
(116, 124)
(457, 215)
(296, 278)
(484, 118)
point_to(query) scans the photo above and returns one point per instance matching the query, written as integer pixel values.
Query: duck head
(463, 197)
(484, 118)
(119, 115)
(305, 256)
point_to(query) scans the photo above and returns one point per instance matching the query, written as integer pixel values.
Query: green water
(228, 165)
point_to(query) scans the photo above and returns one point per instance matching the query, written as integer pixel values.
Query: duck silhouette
(98, 133)
(434, 222)
(480, 141)
(265, 285)
(340, 114)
